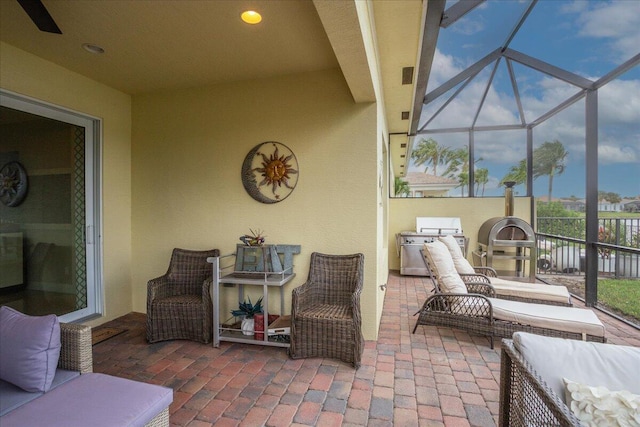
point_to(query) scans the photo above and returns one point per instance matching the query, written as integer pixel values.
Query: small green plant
(247, 309)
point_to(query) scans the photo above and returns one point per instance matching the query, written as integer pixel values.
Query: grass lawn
(618, 215)
(622, 296)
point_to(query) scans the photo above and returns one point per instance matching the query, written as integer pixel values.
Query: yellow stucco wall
(182, 171)
(29, 75)
(473, 212)
(187, 152)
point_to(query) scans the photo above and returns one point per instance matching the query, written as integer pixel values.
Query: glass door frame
(93, 192)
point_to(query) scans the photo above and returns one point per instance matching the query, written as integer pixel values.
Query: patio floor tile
(435, 377)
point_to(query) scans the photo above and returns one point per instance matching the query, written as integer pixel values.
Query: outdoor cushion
(442, 266)
(462, 265)
(12, 396)
(531, 290)
(29, 350)
(615, 367)
(568, 319)
(96, 400)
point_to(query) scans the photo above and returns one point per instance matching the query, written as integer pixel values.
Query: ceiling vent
(405, 115)
(407, 75)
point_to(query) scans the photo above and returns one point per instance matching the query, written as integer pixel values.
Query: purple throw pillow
(29, 349)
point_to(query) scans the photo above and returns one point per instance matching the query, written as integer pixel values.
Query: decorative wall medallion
(13, 184)
(270, 172)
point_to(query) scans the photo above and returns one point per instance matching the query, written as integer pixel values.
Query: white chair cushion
(444, 269)
(530, 290)
(462, 265)
(567, 319)
(616, 367)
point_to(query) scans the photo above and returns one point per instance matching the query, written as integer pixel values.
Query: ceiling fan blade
(40, 16)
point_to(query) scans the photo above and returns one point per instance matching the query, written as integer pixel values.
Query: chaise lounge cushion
(95, 400)
(544, 292)
(29, 350)
(443, 267)
(567, 319)
(462, 265)
(615, 367)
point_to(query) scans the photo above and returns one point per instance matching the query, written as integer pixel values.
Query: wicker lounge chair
(325, 311)
(506, 289)
(473, 307)
(179, 302)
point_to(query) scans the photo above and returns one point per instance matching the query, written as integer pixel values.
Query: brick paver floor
(435, 377)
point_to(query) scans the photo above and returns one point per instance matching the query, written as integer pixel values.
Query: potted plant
(246, 310)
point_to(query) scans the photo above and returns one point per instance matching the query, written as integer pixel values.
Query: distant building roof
(420, 178)
(426, 185)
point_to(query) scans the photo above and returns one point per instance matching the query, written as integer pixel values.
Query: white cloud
(619, 102)
(618, 21)
(609, 153)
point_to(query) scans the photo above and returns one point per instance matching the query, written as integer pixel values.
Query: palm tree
(463, 181)
(401, 187)
(457, 161)
(517, 174)
(548, 159)
(429, 152)
(481, 177)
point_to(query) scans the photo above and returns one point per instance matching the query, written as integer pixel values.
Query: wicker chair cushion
(532, 290)
(568, 319)
(615, 367)
(462, 265)
(328, 312)
(442, 266)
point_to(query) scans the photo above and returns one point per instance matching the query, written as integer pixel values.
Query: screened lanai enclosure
(545, 94)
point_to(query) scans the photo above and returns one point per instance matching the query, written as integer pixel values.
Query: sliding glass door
(49, 250)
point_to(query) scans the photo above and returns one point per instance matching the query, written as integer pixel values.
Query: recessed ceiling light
(92, 48)
(251, 17)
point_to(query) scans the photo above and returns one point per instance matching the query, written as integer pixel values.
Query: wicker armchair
(325, 311)
(179, 303)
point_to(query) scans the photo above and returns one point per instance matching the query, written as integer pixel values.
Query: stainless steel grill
(508, 238)
(428, 229)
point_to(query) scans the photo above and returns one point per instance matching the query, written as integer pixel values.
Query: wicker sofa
(76, 396)
(533, 392)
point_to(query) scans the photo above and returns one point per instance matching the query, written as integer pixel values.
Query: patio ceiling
(164, 45)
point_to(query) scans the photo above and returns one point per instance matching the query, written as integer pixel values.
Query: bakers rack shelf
(266, 266)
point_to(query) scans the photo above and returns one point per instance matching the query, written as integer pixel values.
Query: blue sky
(588, 38)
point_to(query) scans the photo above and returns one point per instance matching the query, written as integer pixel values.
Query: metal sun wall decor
(13, 184)
(270, 172)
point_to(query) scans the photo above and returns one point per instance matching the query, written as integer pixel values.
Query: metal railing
(561, 246)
